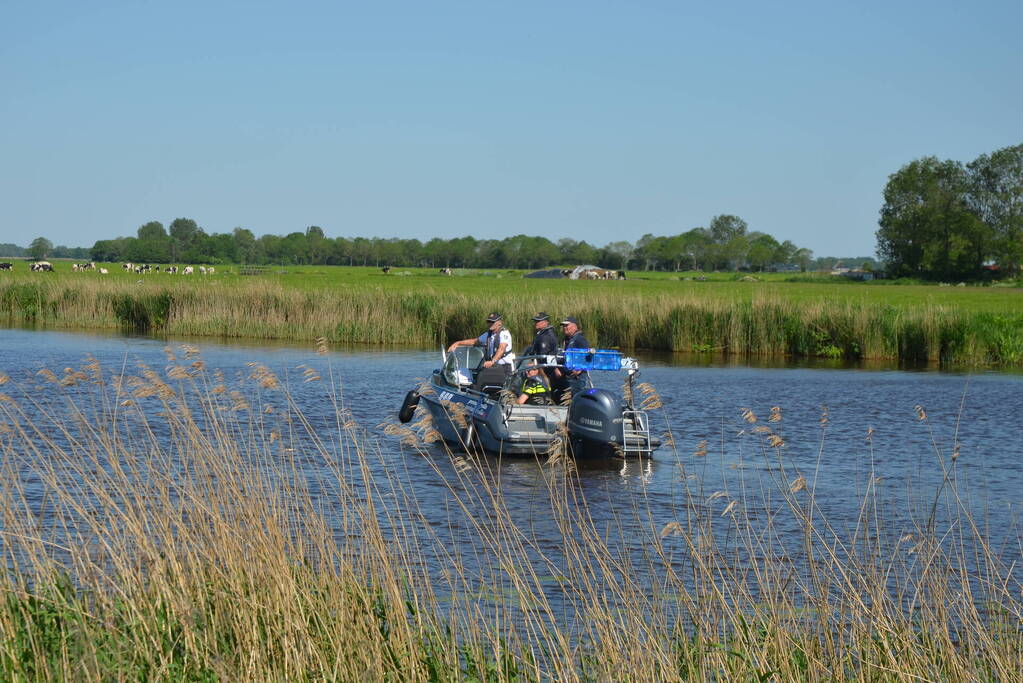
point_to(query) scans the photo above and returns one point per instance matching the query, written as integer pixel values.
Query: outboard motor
(595, 424)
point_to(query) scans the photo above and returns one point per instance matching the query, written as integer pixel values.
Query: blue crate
(593, 359)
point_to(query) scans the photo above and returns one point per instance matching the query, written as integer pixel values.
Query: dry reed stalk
(196, 547)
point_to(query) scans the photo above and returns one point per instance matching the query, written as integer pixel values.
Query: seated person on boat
(534, 390)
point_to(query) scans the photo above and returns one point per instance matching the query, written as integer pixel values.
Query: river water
(843, 430)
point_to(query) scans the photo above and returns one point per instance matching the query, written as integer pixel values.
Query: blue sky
(591, 120)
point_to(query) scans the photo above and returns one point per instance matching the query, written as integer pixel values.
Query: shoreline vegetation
(159, 525)
(362, 306)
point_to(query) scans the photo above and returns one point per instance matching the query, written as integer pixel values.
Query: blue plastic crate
(593, 359)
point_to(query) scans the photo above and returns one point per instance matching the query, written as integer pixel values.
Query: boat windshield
(460, 363)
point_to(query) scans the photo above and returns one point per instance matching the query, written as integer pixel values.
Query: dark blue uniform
(577, 380)
(545, 343)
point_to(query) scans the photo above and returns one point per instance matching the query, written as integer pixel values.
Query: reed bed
(174, 524)
(758, 325)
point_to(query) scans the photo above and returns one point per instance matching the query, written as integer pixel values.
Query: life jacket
(490, 343)
(537, 391)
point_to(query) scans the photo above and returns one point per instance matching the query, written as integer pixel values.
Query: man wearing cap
(575, 380)
(545, 343)
(496, 343)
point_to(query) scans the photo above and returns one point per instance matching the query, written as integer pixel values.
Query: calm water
(826, 417)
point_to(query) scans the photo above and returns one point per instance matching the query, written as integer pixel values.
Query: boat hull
(469, 422)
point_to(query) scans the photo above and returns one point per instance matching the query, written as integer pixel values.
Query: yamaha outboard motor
(595, 424)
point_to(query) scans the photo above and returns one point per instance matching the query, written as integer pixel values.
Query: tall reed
(173, 525)
(761, 325)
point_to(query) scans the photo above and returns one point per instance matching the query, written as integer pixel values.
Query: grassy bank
(157, 525)
(972, 326)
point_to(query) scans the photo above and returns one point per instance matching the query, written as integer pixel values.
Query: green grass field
(822, 316)
(809, 287)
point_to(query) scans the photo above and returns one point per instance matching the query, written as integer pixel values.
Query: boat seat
(491, 381)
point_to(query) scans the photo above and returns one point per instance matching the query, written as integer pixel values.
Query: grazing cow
(42, 267)
(103, 271)
(620, 274)
(202, 270)
(445, 271)
(173, 270)
(188, 270)
(7, 265)
(386, 269)
(210, 270)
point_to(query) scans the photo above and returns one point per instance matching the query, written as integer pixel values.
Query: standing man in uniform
(496, 343)
(572, 380)
(545, 343)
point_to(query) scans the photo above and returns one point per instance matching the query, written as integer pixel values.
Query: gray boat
(473, 408)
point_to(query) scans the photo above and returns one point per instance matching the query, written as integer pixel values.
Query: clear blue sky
(592, 120)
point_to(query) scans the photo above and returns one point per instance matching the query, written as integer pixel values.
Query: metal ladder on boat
(636, 433)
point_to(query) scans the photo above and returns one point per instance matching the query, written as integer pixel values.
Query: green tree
(725, 228)
(803, 258)
(153, 230)
(40, 248)
(763, 250)
(222, 248)
(105, 250)
(295, 249)
(182, 233)
(270, 246)
(153, 244)
(996, 195)
(621, 251)
(728, 233)
(317, 247)
(200, 248)
(698, 246)
(244, 245)
(463, 251)
(785, 252)
(927, 228)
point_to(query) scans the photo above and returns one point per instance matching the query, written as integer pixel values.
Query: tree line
(945, 220)
(726, 244)
(42, 248)
(941, 220)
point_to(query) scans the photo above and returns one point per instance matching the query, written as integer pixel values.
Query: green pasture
(728, 314)
(807, 287)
